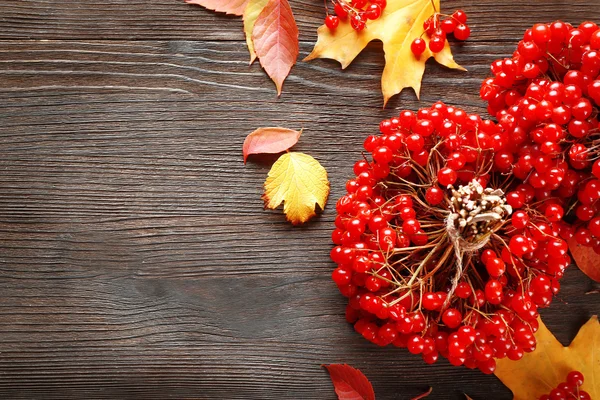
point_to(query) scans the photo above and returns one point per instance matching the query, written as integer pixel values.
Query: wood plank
(136, 259)
(173, 19)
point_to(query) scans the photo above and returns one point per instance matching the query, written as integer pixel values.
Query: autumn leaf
(269, 140)
(251, 13)
(275, 39)
(587, 260)
(400, 23)
(301, 182)
(234, 7)
(423, 395)
(349, 383)
(539, 372)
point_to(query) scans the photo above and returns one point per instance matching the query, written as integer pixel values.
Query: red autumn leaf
(586, 259)
(269, 140)
(275, 38)
(350, 383)
(235, 7)
(423, 395)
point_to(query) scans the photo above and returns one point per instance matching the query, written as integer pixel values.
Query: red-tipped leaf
(269, 140)
(423, 395)
(234, 7)
(275, 38)
(587, 260)
(350, 383)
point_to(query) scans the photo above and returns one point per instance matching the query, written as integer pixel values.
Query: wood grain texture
(136, 261)
(170, 19)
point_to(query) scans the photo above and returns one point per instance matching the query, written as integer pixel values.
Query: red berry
(463, 290)
(541, 33)
(595, 40)
(436, 43)
(431, 301)
(558, 394)
(575, 378)
(373, 11)
(340, 11)
(383, 155)
(460, 16)
(493, 292)
(519, 245)
(447, 176)
(411, 226)
(415, 142)
(554, 212)
(448, 25)
(452, 318)
(341, 276)
(332, 21)
(429, 25)
(416, 344)
(487, 367)
(418, 46)
(520, 219)
(434, 195)
(462, 32)
(357, 22)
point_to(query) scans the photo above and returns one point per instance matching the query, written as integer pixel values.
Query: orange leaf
(400, 23)
(586, 259)
(275, 37)
(539, 372)
(235, 7)
(301, 182)
(269, 140)
(350, 383)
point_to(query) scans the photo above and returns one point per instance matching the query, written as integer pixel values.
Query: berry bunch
(547, 97)
(437, 30)
(436, 250)
(358, 11)
(569, 390)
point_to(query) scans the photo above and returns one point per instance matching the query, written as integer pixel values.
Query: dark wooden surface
(136, 261)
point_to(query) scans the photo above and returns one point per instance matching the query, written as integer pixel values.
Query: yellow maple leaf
(251, 13)
(301, 182)
(539, 372)
(400, 23)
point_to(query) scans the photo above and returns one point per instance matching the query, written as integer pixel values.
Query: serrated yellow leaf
(300, 182)
(251, 13)
(400, 23)
(539, 372)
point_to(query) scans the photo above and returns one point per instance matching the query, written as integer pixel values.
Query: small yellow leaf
(400, 23)
(251, 13)
(301, 182)
(539, 372)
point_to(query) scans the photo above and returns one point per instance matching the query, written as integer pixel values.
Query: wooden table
(136, 259)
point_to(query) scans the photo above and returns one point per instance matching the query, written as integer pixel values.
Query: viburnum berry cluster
(437, 27)
(569, 390)
(547, 97)
(358, 11)
(437, 250)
